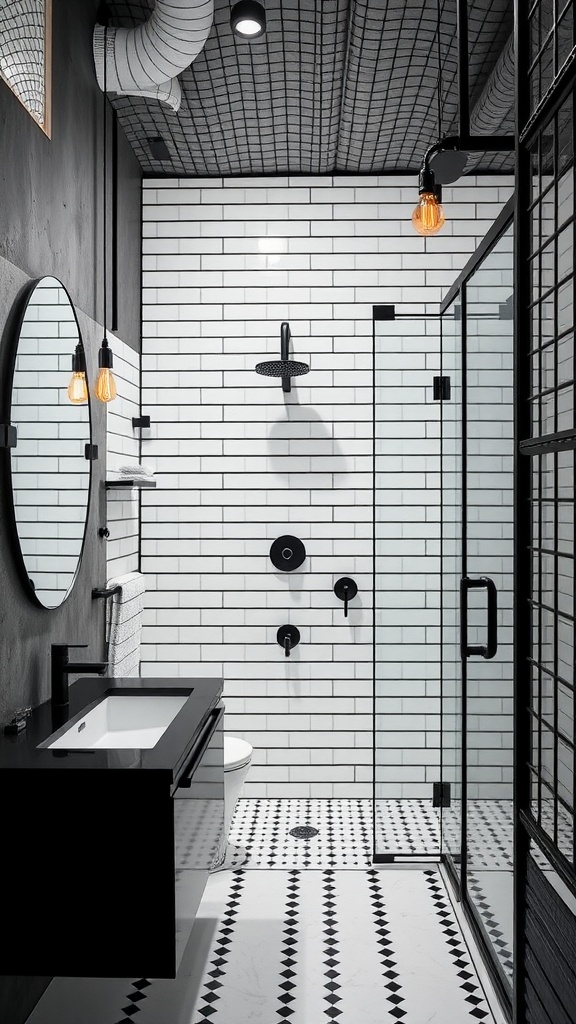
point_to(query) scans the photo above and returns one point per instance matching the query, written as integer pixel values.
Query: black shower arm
(284, 342)
(470, 144)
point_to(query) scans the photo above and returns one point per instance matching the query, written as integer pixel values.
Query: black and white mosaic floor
(261, 830)
(376, 946)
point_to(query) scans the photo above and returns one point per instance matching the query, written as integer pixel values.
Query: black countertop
(22, 751)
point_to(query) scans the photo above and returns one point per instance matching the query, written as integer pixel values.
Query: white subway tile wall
(122, 449)
(240, 463)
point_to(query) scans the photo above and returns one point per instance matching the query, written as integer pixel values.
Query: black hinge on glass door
(441, 794)
(489, 650)
(441, 389)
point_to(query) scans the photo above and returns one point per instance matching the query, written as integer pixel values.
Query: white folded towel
(124, 624)
(135, 469)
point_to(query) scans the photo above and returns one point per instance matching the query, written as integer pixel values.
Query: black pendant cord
(104, 189)
(439, 60)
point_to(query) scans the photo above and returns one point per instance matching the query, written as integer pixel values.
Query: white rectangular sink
(135, 722)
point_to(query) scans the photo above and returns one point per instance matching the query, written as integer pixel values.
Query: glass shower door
(451, 557)
(406, 585)
(489, 519)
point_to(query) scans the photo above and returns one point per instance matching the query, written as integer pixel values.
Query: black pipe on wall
(51, 225)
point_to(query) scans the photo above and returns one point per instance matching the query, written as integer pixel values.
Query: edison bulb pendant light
(105, 388)
(78, 388)
(428, 217)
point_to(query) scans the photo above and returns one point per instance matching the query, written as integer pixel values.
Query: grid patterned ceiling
(346, 86)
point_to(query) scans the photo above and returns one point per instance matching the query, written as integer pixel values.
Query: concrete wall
(51, 224)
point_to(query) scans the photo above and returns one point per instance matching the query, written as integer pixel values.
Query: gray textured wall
(51, 210)
(51, 224)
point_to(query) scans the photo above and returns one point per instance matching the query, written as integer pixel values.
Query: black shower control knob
(287, 553)
(345, 589)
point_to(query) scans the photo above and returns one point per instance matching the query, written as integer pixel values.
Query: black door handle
(491, 647)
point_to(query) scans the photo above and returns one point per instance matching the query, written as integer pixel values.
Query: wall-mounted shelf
(129, 483)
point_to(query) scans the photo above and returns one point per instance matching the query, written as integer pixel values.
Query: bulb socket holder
(426, 181)
(105, 356)
(248, 10)
(78, 360)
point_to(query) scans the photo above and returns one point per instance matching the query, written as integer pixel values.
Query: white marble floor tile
(371, 988)
(376, 946)
(83, 1001)
(439, 982)
(247, 953)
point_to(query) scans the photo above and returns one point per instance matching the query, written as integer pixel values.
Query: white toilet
(237, 758)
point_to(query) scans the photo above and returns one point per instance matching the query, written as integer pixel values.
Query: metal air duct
(144, 61)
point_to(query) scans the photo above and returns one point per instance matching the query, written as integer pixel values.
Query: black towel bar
(103, 592)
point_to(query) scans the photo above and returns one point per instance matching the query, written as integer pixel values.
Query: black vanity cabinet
(106, 853)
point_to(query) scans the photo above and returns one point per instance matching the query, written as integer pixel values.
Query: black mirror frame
(18, 312)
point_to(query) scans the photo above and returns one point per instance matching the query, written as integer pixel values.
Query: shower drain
(303, 832)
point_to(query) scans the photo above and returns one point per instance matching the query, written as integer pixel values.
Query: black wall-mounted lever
(288, 637)
(345, 589)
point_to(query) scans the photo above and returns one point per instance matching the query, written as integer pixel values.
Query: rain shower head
(283, 367)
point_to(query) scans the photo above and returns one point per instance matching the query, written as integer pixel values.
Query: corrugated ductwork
(144, 61)
(493, 112)
(495, 104)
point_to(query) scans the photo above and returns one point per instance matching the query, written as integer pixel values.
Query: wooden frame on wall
(26, 57)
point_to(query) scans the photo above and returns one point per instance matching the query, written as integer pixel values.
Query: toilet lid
(236, 752)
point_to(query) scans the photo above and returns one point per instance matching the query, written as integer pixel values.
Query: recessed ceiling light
(248, 19)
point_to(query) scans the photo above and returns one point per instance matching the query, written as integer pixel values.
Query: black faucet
(62, 667)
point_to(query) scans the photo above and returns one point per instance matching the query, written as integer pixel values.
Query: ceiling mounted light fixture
(446, 160)
(428, 216)
(248, 19)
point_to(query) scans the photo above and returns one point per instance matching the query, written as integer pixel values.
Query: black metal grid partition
(550, 448)
(545, 984)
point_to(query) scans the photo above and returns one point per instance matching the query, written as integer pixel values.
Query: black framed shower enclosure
(443, 581)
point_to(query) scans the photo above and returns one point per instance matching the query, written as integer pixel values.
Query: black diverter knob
(287, 553)
(288, 637)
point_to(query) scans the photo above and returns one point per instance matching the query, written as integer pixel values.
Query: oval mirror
(50, 473)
